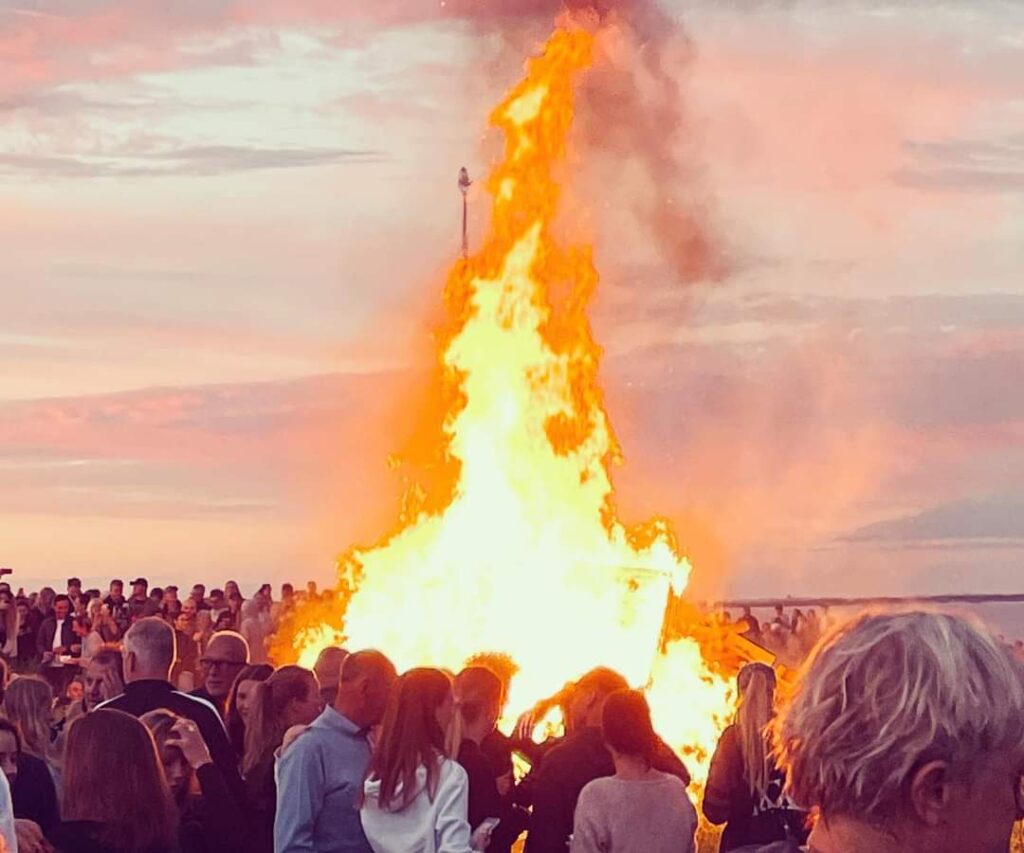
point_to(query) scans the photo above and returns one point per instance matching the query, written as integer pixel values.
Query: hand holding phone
(481, 837)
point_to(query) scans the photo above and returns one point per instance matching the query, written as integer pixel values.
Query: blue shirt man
(320, 774)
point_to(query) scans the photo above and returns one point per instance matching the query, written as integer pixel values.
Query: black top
(33, 794)
(212, 822)
(485, 801)
(205, 695)
(748, 820)
(44, 639)
(146, 695)
(261, 791)
(563, 773)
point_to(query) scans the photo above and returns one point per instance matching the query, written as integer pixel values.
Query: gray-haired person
(906, 733)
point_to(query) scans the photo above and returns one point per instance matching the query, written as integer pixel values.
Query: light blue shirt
(319, 777)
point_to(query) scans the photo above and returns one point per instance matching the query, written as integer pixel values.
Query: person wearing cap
(138, 600)
(117, 604)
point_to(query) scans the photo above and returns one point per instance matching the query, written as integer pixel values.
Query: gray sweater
(653, 815)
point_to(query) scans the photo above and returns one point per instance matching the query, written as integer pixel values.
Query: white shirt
(441, 826)
(57, 633)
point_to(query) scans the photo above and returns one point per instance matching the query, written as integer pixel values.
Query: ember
(527, 556)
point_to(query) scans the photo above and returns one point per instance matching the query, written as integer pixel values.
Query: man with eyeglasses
(149, 653)
(225, 655)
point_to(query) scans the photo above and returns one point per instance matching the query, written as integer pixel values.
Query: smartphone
(488, 824)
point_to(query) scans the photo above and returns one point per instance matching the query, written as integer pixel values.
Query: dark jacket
(485, 801)
(146, 695)
(84, 836)
(261, 792)
(562, 775)
(33, 793)
(44, 640)
(213, 821)
(728, 800)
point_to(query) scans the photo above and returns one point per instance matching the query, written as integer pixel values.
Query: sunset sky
(224, 225)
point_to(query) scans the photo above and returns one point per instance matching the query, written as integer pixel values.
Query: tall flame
(527, 556)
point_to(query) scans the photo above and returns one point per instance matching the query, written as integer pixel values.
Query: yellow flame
(527, 556)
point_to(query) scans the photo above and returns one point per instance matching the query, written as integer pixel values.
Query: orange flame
(527, 556)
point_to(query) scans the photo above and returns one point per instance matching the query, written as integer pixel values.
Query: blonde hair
(28, 703)
(887, 691)
(754, 711)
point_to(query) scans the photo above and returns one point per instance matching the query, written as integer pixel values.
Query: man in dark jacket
(57, 635)
(579, 759)
(149, 653)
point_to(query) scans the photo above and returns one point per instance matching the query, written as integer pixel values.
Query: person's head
(366, 680)
(231, 590)
(94, 609)
(755, 708)
(156, 594)
(27, 704)
(217, 599)
(479, 697)
(170, 593)
(311, 589)
(74, 586)
(103, 678)
(287, 591)
(240, 698)
(626, 726)
(113, 776)
(75, 689)
(198, 593)
(82, 626)
(290, 697)
(225, 655)
(139, 587)
(909, 727)
(179, 774)
(585, 700)
(61, 606)
(44, 600)
(10, 749)
(149, 650)
(117, 588)
(328, 671)
(225, 621)
(779, 610)
(204, 622)
(501, 665)
(413, 734)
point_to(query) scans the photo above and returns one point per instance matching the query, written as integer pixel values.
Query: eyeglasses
(217, 663)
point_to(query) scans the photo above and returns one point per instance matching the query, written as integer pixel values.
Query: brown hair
(266, 720)
(411, 737)
(113, 776)
(232, 718)
(478, 691)
(27, 704)
(756, 687)
(626, 725)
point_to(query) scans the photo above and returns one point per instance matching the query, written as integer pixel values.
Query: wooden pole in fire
(464, 184)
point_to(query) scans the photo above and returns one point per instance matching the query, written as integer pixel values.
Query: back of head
(478, 693)
(149, 648)
(328, 667)
(601, 681)
(267, 721)
(888, 692)
(27, 704)
(366, 680)
(626, 725)
(583, 700)
(499, 663)
(756, 707)
(113, 776)
(411, 736)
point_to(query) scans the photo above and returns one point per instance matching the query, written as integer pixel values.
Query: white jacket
(423, 826)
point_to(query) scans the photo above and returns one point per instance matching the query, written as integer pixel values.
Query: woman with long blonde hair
(28, 704)
(745, 789)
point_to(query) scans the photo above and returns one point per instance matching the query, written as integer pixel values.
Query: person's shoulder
(453, 773)
(194, 704)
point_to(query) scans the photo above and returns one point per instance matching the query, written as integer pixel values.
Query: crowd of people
(171, 732)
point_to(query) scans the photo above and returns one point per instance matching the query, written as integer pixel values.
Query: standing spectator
(44, 604)
(255, 627)
(210, 821)
(580, 758)
(103, 678)
(904, 733)
(218, 603)
(27, 704)
(87, 638)
(138, 604)
(479, 698)
(231, 590)
(751, 628)
(328, 671)
(639, 808)
(320, 775)
(32, 790)
(117, 605)
(10, 624)
(290, 697)
(198, 597)
(225, 656)
(415, 796)
(56, 634)
(28, 656)
(187, 665)
(203, 631)
(780, 618)
(239, 705)
(148, 656)
(116, 798)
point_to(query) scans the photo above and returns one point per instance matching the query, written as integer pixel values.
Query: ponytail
(267, 723)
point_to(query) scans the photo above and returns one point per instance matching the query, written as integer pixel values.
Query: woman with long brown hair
(416, 797)
(236, 710)
(116, 798)
(27, 703)
(289, 697)
(745, 789)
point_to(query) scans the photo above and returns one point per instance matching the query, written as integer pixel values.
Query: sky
(224, 225)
